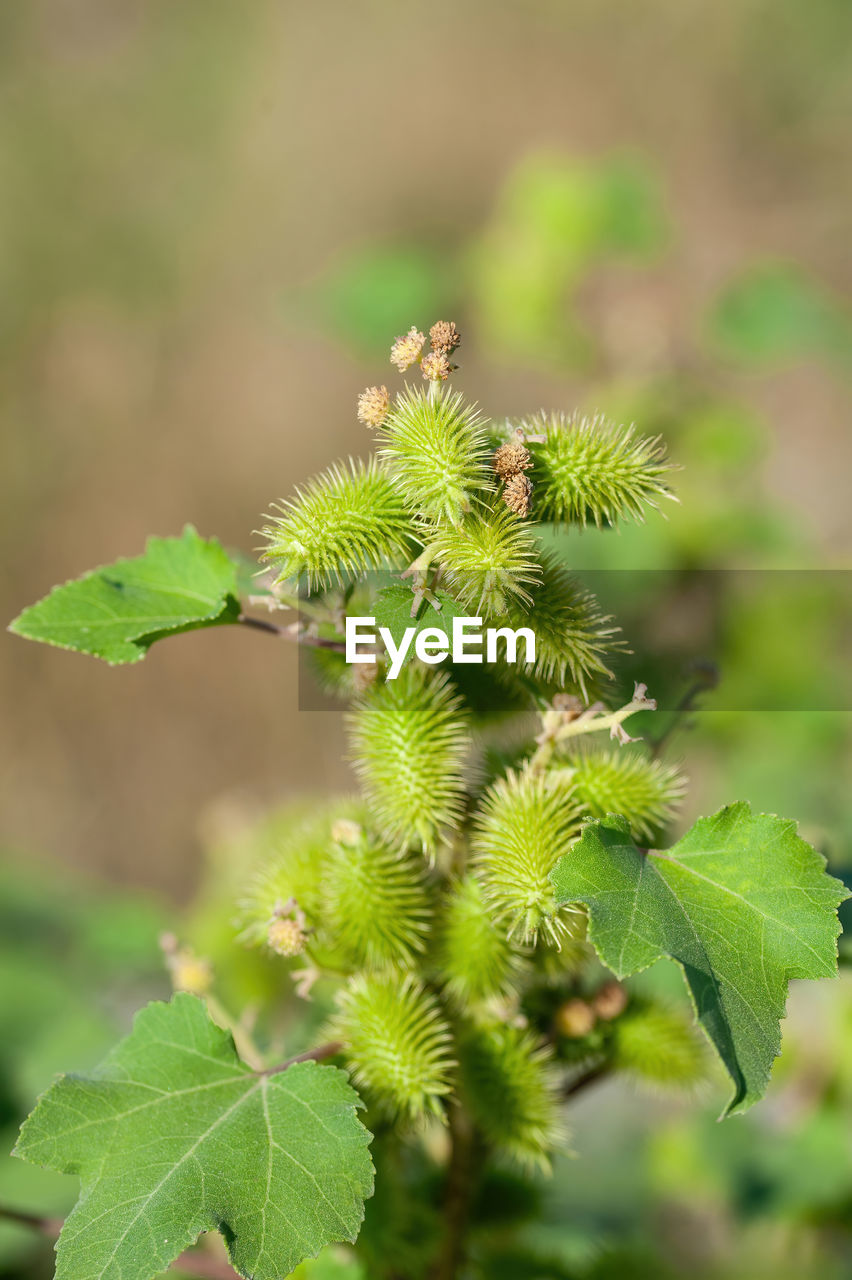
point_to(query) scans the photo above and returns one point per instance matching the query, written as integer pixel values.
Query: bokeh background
(213, 218)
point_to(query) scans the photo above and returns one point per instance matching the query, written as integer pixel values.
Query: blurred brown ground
(170, 171)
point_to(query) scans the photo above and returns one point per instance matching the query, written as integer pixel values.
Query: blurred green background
(213, 218)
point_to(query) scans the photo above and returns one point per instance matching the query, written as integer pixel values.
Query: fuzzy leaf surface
(741, 902)
(118, 611)
(173, 1135)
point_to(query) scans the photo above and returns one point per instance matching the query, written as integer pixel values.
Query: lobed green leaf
(118, 611)
(741, 902)
(173, 1135)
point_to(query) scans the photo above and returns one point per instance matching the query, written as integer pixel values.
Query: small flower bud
(610, 1001)
(511, 458)
(285, 936)
(444, 337)
(407, 349)
(517, 493)
(346, 832)
(435, 366)
(373, 405)
(575, 1019)
(187, 971)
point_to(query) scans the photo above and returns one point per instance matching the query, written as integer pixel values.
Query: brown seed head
(444, 337)
(610, 1001)
(407, 349)
(575, 1019)
(285, 936)
(517, 493)
(511, 458)
(373, 405)
(435, 366)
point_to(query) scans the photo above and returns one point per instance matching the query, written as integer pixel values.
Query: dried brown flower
(575, 1019)
(435, 366)
(444, 337)
(373, 405)
(517, 493)
(610, 1000)
(511, 458)
(407, 349)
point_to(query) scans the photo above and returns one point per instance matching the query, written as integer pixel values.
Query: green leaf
(118, 611)
(173, 1135)
(392, 610)
(741, 902)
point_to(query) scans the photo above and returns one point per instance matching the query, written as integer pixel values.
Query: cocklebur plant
(455, 921)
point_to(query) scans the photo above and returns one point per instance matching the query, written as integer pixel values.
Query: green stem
(559, 727)
(465, 1160)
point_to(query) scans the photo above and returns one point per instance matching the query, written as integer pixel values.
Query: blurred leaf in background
(76, 960)
(555, 220)
(776, 313)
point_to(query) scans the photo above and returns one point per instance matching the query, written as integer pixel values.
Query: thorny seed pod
(525, 824)
(436, 451)
(511, 1087)
(612, 780)
(397, 1043)
(661, 1047)
(573, 637)
(475, 958)
(588, 470)
(376, 904)
(409, 739)
(347, 520)
(293, 846)
(488, 559)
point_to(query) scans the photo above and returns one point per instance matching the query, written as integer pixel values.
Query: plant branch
(194, 1262)
(461, 1185)
(292, 632)
(567, 718)
(591, 1076)
(310, 1055)
(707, 678)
